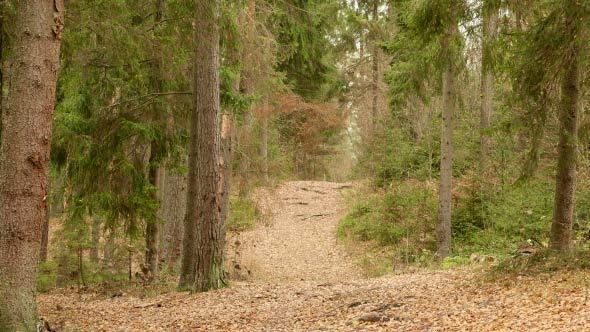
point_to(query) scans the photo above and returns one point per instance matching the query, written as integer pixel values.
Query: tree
(490, 26)
(29, 77)
(203, 248)
(561, 228)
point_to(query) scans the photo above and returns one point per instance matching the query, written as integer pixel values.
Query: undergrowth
(399, 221)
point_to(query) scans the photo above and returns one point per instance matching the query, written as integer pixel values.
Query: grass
(243, 214)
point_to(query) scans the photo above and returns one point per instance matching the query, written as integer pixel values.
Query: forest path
(301, 280)
(297, 241)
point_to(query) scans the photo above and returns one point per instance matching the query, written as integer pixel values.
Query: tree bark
(375, 73)
(561, 228)
(203, 251)
(152, 229)
(45, 233)
(264, 146)
(247, 85)
(490, 23)
(446, 164)
(30, 76)
(172, 211)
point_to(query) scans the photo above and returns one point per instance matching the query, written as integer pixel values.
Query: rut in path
(299, 240)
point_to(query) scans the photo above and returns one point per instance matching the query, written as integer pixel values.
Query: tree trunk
(446, 164)
(226, 143)
(264, 146)
(172, 211)
(490, 22)
(561, 228)
(152, 229)
(247, 86)
(375, 75)
(45, 233)
(95, 238)
(203, 251)
(30, 76)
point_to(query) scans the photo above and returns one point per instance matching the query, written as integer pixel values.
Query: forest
(294, 165)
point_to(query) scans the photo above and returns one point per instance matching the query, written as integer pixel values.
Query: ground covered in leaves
(292, 275)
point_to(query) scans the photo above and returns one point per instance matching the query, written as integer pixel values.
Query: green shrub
(46, 277)
(243, 214)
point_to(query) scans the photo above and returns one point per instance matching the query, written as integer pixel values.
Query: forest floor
(291, 274)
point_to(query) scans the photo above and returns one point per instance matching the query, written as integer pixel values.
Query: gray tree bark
(563, 216)
(203, 249)
(443, 230)
(29, 82)
(490, 23)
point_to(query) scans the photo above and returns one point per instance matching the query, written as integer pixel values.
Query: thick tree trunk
(490, 22)
(29, 80)
(561, 228)
(203, 253)
(446, 164)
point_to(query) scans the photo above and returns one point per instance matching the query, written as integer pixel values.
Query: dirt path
(298, 242)
(300, 280)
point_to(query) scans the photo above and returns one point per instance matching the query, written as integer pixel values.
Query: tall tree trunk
(561, 228)
(30, 76)
(490, 23)
(443, 230)
(227, 127)
(203, 251)
(375, 73)
(152, 230)
(247, 85)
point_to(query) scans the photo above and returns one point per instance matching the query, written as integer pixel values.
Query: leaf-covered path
(301, 280)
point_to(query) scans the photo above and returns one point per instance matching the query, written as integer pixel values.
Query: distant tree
(29, 76)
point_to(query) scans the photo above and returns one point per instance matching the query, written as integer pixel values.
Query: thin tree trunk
(45, 233)
(531, 164)
(203, 253)
(264, 146)
(375, 74)
(152, 230)
(490, 22)
(561, 228)
(247, 85)
(446, 164)
(227, 127)
(95, 238)
(30, 74)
